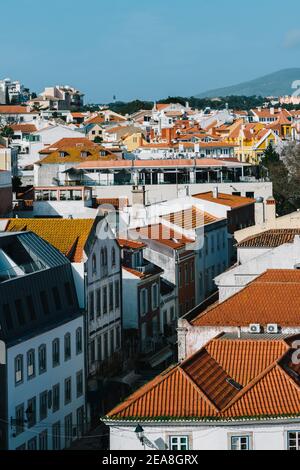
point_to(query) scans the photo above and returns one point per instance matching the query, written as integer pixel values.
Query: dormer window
(84, 154)
(62, 154)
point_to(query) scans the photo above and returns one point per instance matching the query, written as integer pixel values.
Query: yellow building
(134, 141)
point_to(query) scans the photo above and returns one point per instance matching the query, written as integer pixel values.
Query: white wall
(202, 437)
(19, 394)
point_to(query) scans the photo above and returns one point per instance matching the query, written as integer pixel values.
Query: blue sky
(146, 49)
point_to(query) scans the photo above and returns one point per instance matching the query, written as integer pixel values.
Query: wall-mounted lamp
(140, 434)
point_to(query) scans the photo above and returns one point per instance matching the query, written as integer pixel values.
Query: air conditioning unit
(273, 329)
(255, 328)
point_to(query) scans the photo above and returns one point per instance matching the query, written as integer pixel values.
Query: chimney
(215, 193)
(138, 195)
(272, 111)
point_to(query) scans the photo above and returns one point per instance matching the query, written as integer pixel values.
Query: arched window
(105, 256)
(102, 257)
(67, 346)
(19, 369)
(42, 359)
(55, 353)
(31, 364)
(79, 340)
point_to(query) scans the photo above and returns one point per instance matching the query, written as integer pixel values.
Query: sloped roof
(229, 200)
(69, 236)
(190, 218)
(270, 239)
(227, 379)
(272, 298)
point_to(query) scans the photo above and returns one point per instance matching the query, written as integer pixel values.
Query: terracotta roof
(131, 244)
(77, 155)
(270, 239)
(153, 271)
(164, 235)
(26, 128)
(272, 298)
(14, 110)
(229, 200)
(227, 379)
(68, 143)
(190, 218)
(67, 235)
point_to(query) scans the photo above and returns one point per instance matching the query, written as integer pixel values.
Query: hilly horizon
(274, 84)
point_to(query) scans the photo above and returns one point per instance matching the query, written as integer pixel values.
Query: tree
(98, 139)
(7, 132)
(284, 172)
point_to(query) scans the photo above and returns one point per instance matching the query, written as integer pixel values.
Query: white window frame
(175, 441)
(239, 437)
(297, 440)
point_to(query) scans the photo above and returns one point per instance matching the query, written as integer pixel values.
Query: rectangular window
(55, 353)
(98, 303)
(32, 444)
(68, 391)
(155, 301)
(92, 352)
(118, 337)
(112, 346)
(31, 364)
(68, 430)
(99, 348)
(56, 436)
(43, 405)
(19, 419)
(117, 294)
(91, 306)
(56, 297)
(105, 354)
(144, 302)
(42, 359)
(111, 297)
(44, 302)
(19, 369)
(240, 443)
(80, 421)
(67, 341)
(56, 398)
(43, 440)
(79, 384)
(79, 341)
(294, 440)
(105, 300)
(20, 312)
(31, 413)
(179, 443)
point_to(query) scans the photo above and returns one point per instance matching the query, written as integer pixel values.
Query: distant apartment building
(59, 98)
(42, 327)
